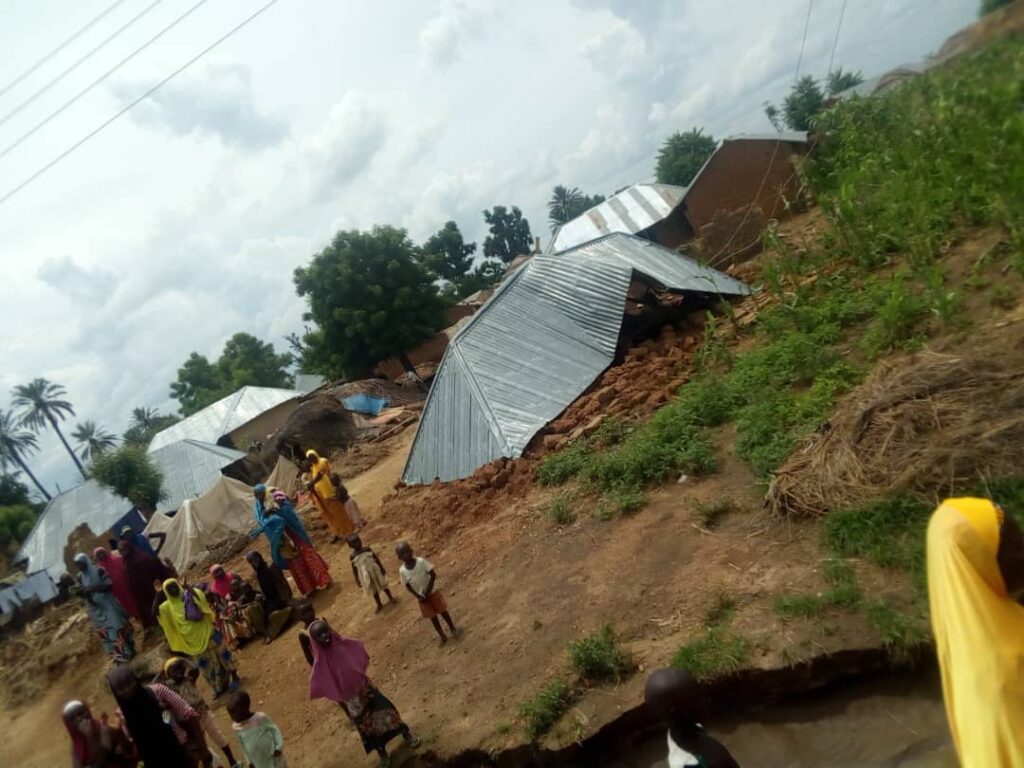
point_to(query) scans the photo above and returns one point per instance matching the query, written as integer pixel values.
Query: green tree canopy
(16, 523)
(806, 99)
(41, 403)
(370, 300)
(129, 473)
(16, 443)
(839, 81)
(566, 203)
(92, 439)
(682, 155)
(245, 361)
(145, 423)
(510, 234)
(447, 255)
(987, 6)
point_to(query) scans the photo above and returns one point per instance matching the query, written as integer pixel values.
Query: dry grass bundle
(925, 424)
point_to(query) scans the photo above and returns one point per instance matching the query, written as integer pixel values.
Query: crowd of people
(975, 568)
(167, 721)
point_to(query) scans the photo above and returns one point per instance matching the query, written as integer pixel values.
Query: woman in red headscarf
(94, 743)
(113, 564)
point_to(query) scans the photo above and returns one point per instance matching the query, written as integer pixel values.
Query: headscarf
(276, 592)
(143, 716)
(273, 525)
(222, 586)
(139, 540)
(114, 566)
(324, 486)
(102, 607)
(141, 570)
(339, 669)
(79, 741)
(184, 635)
(979, 634)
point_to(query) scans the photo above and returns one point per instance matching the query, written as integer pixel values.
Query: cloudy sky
(180, 223)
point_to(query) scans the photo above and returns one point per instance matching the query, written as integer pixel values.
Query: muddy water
(894, 723)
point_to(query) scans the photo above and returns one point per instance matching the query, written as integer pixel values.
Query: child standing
(351, 508)
(260, 738)
(369, 571)
(180, 677)
(674, 696)
(419, 578)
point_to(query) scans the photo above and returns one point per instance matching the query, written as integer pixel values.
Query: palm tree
(144, 418)
(92, 439)
(15, 444)
(41, 404)
(564, 205)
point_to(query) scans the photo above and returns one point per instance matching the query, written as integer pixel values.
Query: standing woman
(290, 545)
(161, 724)
(190, 630)
(94, 744)
(141, 571)
(104, 611)
(325, 495)
(975, 580)
(113, 564)
(339, 674)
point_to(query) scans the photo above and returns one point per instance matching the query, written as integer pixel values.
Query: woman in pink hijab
(220, 583)
(113, 564)
(339, 674)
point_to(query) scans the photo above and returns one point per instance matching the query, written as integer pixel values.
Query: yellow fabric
(979, 635)
(169, 664)
(183, 635)
(324, 486)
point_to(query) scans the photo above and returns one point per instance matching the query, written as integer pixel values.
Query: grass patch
(721, 611)
(902, 631)
(710, 513)
(719, 651)
(1003, 297)
(619, 501)
(502, 729)
(558, 467)
(599, 656)
(843, 592)
(560, 509)
(542, 710)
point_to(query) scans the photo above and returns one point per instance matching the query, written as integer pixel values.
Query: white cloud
(619, 51)
(443, 38)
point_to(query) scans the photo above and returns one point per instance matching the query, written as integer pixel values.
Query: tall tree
(16, 444)
(510, 234)
(805, 100)
(92, 439)
(145, 423)
(566, 203)
(131, 474)
(448, 255)
(370, 300)
(16, 523)
(245, 361)
(682, 155)
(839, 81)
(41, 403)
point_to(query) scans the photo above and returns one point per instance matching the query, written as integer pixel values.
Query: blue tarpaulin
(364, 403)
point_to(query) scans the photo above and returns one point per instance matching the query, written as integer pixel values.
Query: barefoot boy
(674, 696)
(369, 571)
(418, 576)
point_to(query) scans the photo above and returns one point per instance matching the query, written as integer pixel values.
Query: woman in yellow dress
(325, 496)
(975, 580)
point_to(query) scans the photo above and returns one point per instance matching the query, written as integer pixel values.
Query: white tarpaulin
(224, 510)
(284, 476)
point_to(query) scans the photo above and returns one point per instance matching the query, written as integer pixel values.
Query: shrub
(717, 652)
(542, 710)
(560, 509)
(599, 656)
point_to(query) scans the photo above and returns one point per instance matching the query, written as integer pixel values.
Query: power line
(58, 49)
(78, 63)
(139, 99)
(803, 42)
(18, 142)
(835, 42)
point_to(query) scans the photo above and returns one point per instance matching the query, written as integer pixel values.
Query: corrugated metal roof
(88, 503)
(632, 210)
(190, 469)
(226, 415)
(307, 382)
(543, 337)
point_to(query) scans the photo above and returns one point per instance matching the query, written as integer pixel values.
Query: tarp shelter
(364, 403)
(548, 331)
(88, 503)
(224, 510)
(284, 476)
(38, 585)
(190, 468)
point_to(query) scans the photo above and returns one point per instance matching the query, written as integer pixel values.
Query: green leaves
(129, 473)
(682, 155)
(510, 234)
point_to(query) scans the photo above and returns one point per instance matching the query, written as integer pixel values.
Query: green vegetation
(40, 404)
(448, 257)
(131, 474)
(719, 650)
(902, 631)
(560, 509)
(721, 610)
(92, 439)
(843, 592)
(144, 424)
(509, 234)
(16, 443)
(806, 99)
(566, 203)
(710, 513)
(542, 710)
(599, 656)
(682, 155)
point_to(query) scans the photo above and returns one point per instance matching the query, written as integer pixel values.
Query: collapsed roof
(190, 468)
(547, 332)
(224, 416)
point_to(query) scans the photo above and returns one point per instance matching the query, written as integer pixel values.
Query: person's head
(404, 551)
(312, 456)
(100, 554)
(305, 465)
(354, 541)
(320, 631)
(305, 611)
(673, 695)
(342, 491)
(240, 706)
(1010, 557)
(124, 548)
(175, 668)
(172, 588)
(81, 561)
(237, 582)
(124, 683)
(127, 532)
(260, 492)
(77, 717)
(217, 571)
(255, 559)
